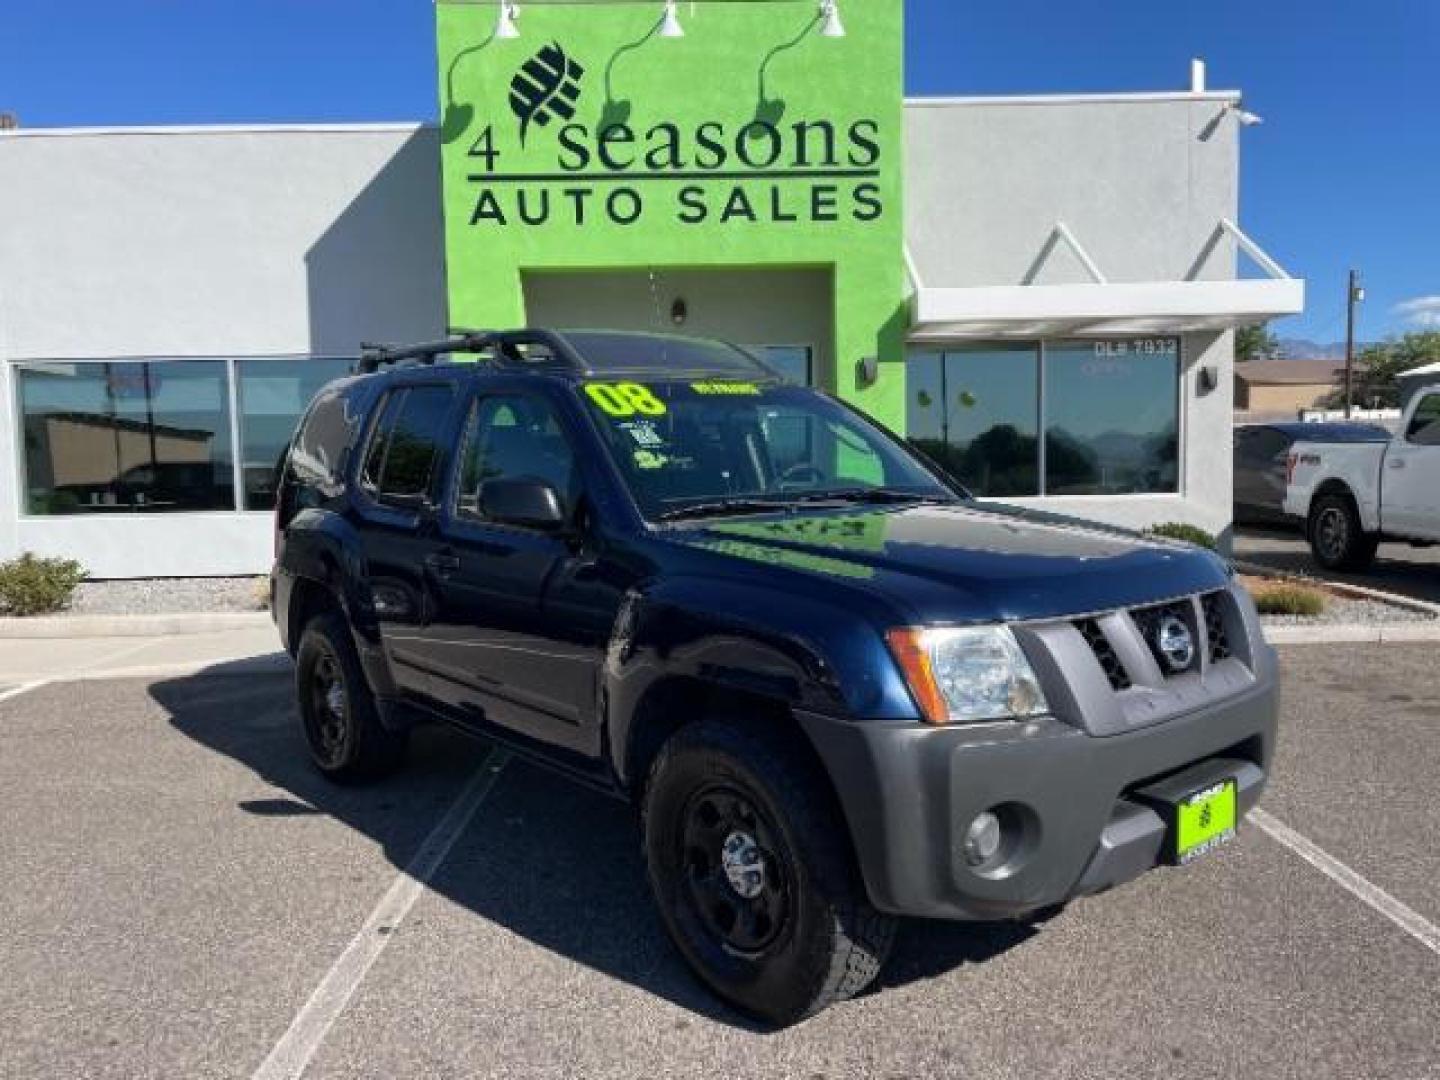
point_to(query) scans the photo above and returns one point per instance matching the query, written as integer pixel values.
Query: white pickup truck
(1353, 495)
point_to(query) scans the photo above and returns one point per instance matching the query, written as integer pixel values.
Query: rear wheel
(1338, 539)
(337, 710)
(749, 863)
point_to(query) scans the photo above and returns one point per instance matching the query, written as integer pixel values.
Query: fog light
(982, 839)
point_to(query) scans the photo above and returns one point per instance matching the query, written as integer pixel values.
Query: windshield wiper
(869, 495)
(721, 507)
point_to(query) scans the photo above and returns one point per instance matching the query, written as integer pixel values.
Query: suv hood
(966, 562)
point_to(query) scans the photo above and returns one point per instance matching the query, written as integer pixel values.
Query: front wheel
(748, 861)
(1338, 539)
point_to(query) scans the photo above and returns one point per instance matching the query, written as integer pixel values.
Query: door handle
(442, 563)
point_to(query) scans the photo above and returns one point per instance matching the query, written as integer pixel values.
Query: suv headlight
(967, 673)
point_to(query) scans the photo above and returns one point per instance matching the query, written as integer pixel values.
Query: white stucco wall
(1142, 181)
(157, 243)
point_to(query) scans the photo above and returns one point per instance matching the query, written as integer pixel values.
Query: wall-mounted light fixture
(1245, 116)
(670, 25)
(830, 24)
(679, 311)
(1209, 379)
(505, 23)
(867, 371)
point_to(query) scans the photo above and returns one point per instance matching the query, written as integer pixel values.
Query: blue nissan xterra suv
(838, 689)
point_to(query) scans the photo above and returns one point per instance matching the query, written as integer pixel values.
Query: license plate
(1204, 821)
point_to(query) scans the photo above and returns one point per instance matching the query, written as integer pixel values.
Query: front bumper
(909, 790)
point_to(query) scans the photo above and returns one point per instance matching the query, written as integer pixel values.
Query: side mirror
(530, 504)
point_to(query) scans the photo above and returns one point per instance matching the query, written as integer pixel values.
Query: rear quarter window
(317, 457)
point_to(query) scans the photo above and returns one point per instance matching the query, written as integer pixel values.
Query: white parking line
(23, 688)
(1406, 918)
(291, 1055)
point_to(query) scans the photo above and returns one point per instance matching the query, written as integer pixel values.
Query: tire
(1338, 539)
(810, 936)
(338, 714)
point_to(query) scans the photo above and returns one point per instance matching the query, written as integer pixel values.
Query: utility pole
(1353, 296)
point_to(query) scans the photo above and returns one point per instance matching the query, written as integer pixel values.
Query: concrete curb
(103, 626)
(1352, 634)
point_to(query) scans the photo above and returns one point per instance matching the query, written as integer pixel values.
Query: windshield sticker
(730, 389)
(650, 459)
(625, 399)
(643, 432)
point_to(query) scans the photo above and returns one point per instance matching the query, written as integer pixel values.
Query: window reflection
(1112, 423)
(974, 411)
(1111, 419)
(135, 436)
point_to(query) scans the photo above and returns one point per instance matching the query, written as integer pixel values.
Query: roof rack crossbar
(506, 344)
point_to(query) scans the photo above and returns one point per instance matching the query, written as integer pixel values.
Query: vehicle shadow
(545, 858)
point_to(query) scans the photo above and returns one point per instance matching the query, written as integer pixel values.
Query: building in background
(1039, 291)
(1281, 389)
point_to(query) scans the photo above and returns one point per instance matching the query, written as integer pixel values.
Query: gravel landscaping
(1345, 610)
(167, 596)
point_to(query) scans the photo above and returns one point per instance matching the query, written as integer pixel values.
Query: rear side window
(317, 458)
(1425, 424)
(404, 446)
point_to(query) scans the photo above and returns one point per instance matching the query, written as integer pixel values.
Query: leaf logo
(546, 86)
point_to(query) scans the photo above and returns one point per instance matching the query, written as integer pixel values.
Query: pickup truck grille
(1205, 621)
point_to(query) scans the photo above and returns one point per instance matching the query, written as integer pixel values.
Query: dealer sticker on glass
(1204, 821)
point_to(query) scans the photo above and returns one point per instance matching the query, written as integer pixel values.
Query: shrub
(1190, 534)
(34, 586)
(1282, 599)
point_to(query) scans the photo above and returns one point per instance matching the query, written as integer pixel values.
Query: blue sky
(1344, 171)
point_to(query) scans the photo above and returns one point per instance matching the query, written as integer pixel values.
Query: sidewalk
(24, 661)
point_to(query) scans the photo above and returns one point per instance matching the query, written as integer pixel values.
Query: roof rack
(508, 346)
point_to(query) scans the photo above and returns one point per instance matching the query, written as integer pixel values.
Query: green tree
(1255, 343)
(1377, 366)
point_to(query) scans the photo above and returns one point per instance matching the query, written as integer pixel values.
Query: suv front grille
(1144, 623)
(1215, 627)
(1105, 653)
(1148, 622)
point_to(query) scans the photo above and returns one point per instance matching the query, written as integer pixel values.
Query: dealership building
(1039, 291)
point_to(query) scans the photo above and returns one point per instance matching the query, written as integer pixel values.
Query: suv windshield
(688, 449)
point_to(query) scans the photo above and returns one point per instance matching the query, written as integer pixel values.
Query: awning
(1100, 307)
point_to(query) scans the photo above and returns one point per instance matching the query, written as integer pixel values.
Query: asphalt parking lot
(183, 897)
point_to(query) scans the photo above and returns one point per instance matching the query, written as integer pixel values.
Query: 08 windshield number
(625, 399)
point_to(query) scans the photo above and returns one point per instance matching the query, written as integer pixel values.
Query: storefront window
(155, 436)
(1112, 416)
(792, 361)
(272, 396)
(133, 436)
(975, 412)
(1109, 410)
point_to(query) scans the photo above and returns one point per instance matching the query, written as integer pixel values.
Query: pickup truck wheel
(749, 863)
(1338, 539)
(337, 710)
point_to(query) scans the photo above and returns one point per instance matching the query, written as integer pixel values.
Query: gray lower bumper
(910, 790)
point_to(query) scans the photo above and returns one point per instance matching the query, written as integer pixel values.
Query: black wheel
(1338, 540)
(749, 862)
(337, 711)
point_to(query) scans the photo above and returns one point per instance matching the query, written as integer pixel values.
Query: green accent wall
(592, 143)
